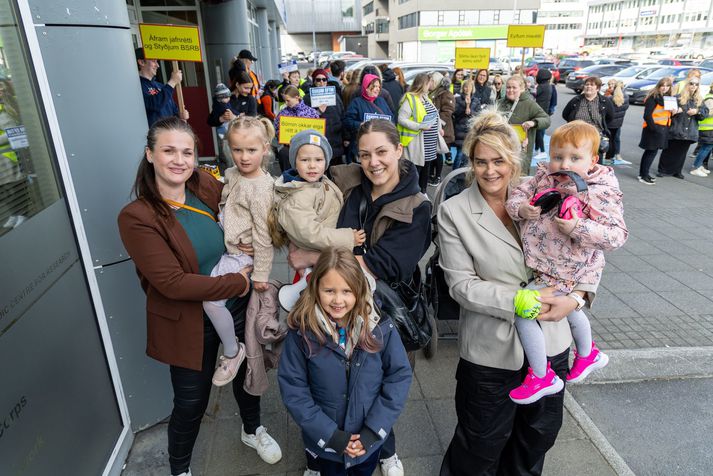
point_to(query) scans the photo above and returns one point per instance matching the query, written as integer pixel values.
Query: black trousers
(191, 391)
(673, 157)
(494, 435)
(423, 176)
(647, 158)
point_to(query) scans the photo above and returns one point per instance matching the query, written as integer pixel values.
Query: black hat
(246, 54)
(140, 53)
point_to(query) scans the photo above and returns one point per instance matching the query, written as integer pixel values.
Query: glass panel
(429, 18)
(168, 3)
(28, 183)
(450, 17)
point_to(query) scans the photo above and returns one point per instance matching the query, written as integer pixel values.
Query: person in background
(367, 103)
(419, 126)
(383, 93)
(336, 75)
(268, 105)
(400, 78)
(242, 100)
(333, 116)
(683, 131)
(705, 139)
(693, 73)
(307, 82)
(158, 98)
(543, 97)
(497, 92)
(522, 110)
(482, 90)
(391, 84)
(351, 87)
(654, 132)
(467, 107)
(444, 102)
(621, 104)
(243, 63)
(294, 107)
(457, 81)
(221, 113)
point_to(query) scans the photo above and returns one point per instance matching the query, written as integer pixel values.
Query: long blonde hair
(492, 129)
(263, 127)
(686, 93)
(303, 316)
(618, 95)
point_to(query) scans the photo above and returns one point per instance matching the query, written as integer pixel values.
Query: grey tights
(222, 320)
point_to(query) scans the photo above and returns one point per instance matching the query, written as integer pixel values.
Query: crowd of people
(522, 256)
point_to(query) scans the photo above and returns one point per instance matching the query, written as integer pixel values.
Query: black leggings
(423, 176)
(646, 160)
(494, 435)
(191, 391)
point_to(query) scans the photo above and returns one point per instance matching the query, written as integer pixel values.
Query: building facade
(76, 383)
(647, 24)
(430, 30)
(565, 21)
(328, 19)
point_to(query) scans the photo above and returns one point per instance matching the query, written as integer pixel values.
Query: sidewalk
(647, 413)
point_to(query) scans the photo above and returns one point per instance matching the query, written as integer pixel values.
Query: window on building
(347, 8)
(369, 28)
(382, 26)
(450, 17)
(368, 8)
(487, 17)
(471, 17)
(402, 1)
(506, 17)
(429, 18)
(408, 21)
(528, 16)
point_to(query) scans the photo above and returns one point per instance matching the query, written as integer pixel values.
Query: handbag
(442, 146)
(404, 302)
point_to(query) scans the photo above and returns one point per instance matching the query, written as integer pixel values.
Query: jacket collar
(487, 218)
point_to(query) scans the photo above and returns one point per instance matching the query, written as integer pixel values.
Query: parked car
(706, 81)
(567, 65)
(638, 90)
(627, 75)
(575, 79)
(532, 67)
(706, 63)
(301, 56)
(368, 61)
(411, 73)
(670, 62)
(498, 66)
(624, 61)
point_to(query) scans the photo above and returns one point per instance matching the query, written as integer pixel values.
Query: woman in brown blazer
(171, 233)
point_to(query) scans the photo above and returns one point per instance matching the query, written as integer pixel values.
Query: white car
(631, 74)
(706, 81)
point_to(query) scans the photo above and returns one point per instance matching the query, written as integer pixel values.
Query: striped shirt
(430, 136)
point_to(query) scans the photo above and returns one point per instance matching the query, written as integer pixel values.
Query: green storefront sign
(454, 33)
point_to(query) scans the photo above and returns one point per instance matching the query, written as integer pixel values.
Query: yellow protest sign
(521, 134)
(526, 36)
(289, 126)
(170, 42)
(472, 58)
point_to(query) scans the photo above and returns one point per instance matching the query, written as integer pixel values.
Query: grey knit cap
(221, 91)
(309, 136)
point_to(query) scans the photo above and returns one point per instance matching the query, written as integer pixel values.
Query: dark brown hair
(389, 130)
(145, 187)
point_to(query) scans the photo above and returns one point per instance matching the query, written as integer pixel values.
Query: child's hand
(359, 237)
(246, 274)
(260, 286)
(529, 212)
(566, 226)
(354, 447)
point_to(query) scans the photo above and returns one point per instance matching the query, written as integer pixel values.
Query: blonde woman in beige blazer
(484, 267)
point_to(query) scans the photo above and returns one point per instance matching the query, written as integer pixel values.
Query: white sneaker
(265, 445)
(698, 172)
(392, 466)
(188, 473)
(705, 170)
(310, 472)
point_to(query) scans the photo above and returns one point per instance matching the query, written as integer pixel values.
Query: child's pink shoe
(583, 366)
(533, 388)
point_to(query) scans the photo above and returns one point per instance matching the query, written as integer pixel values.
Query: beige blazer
(484, 268)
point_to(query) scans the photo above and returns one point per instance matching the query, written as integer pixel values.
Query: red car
(531, 69)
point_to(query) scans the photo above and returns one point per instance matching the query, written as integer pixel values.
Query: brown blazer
(167, 267)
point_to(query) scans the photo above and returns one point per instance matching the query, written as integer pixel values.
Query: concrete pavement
(647, 413)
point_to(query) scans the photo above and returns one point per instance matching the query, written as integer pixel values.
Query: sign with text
(472, 58)
(368, 116)
(170, 42)
(526, 36)
(326, 96)
(290, 126)
(287, 67)
(17, 136)
(670, 103)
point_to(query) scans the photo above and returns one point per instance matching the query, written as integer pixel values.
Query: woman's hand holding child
(359, 237)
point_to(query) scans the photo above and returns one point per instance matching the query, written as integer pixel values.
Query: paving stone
(667, 263)
(437, 377)
(444, 417)
(648, 304)
(578, 457)
(689, 302)
(415, 432)
(630, 264)
(619, 281)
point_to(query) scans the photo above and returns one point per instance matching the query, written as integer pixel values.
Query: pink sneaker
(533, 388)
(227, 368)
(583, 366)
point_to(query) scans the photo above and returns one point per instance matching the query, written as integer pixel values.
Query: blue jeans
(703, 152)
(461, 160)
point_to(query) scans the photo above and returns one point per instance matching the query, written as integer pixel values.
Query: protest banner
(290, 126)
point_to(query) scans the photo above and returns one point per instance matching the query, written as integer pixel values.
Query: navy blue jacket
(334, 128)
(395, 256)
(325, 400)
(354, 116)
(158, 100)
(217, 110)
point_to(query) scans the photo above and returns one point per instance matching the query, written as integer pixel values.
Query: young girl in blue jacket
(344, 375)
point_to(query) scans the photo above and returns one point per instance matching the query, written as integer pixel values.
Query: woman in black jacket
(333, 115)
(654, 132)
(543, 96)
(482, 90)
(683, 131)
(392, 85)
(621, 104)
(467, 106)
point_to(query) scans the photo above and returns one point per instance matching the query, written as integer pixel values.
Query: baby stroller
(443, 305)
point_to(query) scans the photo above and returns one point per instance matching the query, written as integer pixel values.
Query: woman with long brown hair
(654, 132)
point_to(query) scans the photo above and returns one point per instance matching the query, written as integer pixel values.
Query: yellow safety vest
(6, 150)
(707, 123)
(418, 112)
(661, 117)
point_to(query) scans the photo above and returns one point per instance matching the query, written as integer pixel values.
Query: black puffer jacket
(617, 119)
(606, 110)
(483, 93)
(392, 86)
(334, 128)
(461, 120)
(543, 95)
(685, 127)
